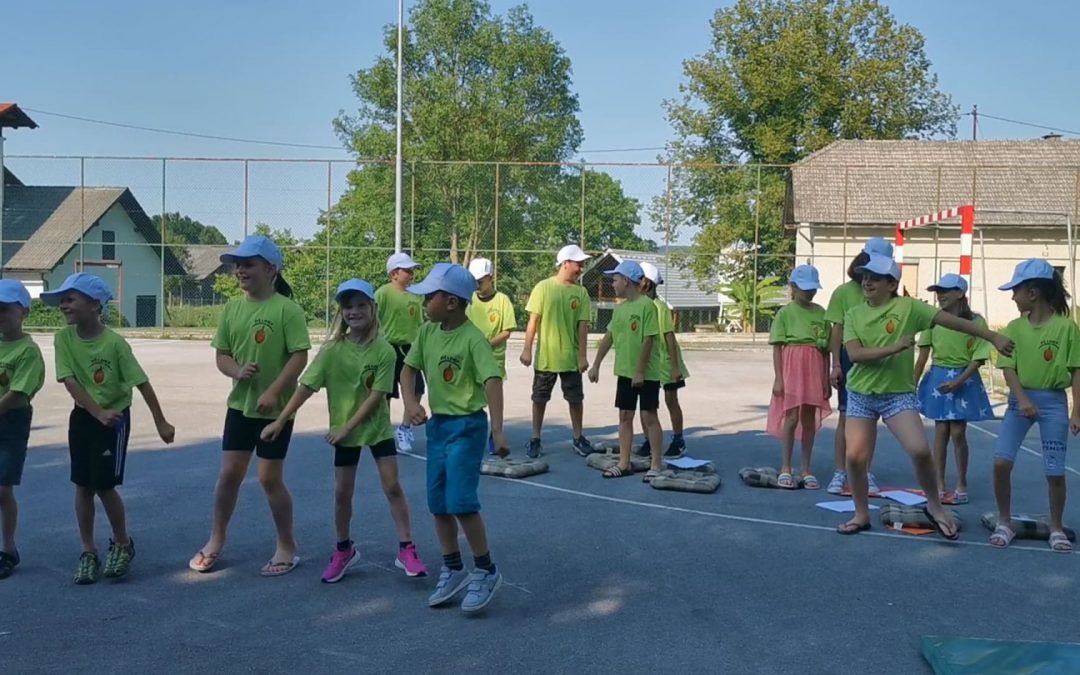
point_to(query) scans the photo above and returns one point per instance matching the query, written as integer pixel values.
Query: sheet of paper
(904, 497)
(687, 463)
(843, 506)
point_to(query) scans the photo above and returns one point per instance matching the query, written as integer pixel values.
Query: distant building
(202, 265)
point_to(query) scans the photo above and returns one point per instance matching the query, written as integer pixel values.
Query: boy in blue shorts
(462, 375)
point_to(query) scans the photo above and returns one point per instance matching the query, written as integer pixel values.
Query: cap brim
(423, 288)
(807, 286)
(1011, 284)
(935, 288)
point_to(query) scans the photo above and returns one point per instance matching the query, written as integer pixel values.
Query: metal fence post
(757, 243)
(161, 324)
(329, 232)
(246, 169)
(582, 236)
(495, 251)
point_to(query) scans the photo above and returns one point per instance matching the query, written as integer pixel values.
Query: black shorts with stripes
(98, 453)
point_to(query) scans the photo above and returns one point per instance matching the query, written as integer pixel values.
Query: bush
(193, 316)
(44, 316)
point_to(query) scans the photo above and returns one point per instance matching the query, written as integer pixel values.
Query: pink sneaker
(410, 562)
(340, 562)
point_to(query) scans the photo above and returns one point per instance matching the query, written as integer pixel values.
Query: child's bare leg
(941, 451)
(234, 465)
(84, 514)
(787, 441)
(808, 419)
(1003, 490)
(908, 429)
(1056, 487)
(9, 518)
(271, 477)
(344, 489)
(399, 506)
(650, 421)
(860, 438)
(840, 443)
(958, 433)
(626, 437)
(114, 510)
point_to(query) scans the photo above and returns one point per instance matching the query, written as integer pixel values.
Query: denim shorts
(455, 450)
(1053, 429)
(873, 406)
(841, 391)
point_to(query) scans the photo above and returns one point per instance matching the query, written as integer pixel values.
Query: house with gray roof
(53, 231)
(1026, 196)
(202, 265)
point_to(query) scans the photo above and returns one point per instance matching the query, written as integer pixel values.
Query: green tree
(185, 229)
(782, 79)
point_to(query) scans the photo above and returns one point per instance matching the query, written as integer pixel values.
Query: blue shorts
(1053, 429)
(873, 406)
(455, 450)
(841, 392)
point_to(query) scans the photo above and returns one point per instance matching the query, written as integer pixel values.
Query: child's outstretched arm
(87, 403)
(601, 352)
(299, 398)
(366, 410)
(493, 389)
(165, 430)
(1000, 342)
(414, 412)
(778, 370)
(860, 354)
(12, 400)
(285, 379)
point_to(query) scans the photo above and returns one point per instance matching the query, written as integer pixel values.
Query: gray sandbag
(512, 468)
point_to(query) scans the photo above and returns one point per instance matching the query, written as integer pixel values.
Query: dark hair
(965, 309)
(1053, 292)
(281, 286)
(647, 286)
(857, 261)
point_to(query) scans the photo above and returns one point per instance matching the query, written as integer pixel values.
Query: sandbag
(513, 468)
(763, 477)
(703, 479)
(1025, 526)
(605, 460)
(912, 516)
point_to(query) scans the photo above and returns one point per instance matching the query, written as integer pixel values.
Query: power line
(1022, 123)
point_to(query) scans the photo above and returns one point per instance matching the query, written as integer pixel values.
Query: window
(108, 245)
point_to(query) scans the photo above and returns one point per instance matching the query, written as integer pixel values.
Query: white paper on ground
(686, 462)
(904, 497)
(843, 506)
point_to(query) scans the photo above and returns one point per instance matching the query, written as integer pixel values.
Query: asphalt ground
(602, 575)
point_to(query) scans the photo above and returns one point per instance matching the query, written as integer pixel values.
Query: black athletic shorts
(242, 433)
(399, 365)
(675, 386)
(14, 435)
(645, 398)
(350, 456)
(573, 390)
(98, 453)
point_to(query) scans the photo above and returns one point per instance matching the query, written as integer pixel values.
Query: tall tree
(783, 78)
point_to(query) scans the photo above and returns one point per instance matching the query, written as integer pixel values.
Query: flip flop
(1060, 543)
(785, 481)
(852, 528)
(938, 526)
(277, 569)
(615, 471)
(653, 473)
(203, 562)
(1002, 536)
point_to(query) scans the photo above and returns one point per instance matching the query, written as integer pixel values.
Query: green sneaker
(118, 562)
(89, 565)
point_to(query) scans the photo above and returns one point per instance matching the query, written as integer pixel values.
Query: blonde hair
(341, 329)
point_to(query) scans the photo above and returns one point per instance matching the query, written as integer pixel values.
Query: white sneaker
(404, 438)
(874, 491)
(836, 485)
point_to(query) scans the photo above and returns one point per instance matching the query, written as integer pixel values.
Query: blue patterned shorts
(873, 406)
(1053, 424)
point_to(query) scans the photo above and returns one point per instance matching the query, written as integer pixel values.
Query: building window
(108, 246)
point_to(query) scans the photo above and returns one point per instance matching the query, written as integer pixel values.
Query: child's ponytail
(1053, 292)
(281, 286)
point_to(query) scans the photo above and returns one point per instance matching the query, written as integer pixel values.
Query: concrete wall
(138, 272)
(928, 254)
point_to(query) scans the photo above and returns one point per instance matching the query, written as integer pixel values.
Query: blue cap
(13, 292)
(881, 265)
(1028, 270)
(805, 277)
(878, 246)
(89, 285)
(630, 269)
(950, 282)
(448, 278)
(357, 286)
(255, 246)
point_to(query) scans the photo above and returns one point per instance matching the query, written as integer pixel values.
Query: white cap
(571, 252)
(400, 261)
(481, 267)
(652, 273)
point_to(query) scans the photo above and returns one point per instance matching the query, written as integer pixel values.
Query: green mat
(971, 656)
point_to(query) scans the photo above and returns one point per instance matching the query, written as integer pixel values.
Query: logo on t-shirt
(99, 367)
(262, 327)
(368, 375)
(450, 366)
(892, 321)
(634, 320)
(574, 304)
(412, 310)
(1049, 348)
(818, 328)
(493, 316)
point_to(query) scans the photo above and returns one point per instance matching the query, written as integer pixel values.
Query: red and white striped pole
(967, 234)
(967, 239)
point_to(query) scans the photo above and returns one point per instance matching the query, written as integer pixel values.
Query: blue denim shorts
(841, 391)
(1053, 429)
(873, 406)
(455, 450)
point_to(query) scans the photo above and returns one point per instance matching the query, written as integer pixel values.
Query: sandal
(615, 471)
(851, 527)
(809, 482)
(203, 562)
(1002, 536)
(940, 527)
(649, 475)
(1060, 543)
(277, 569)
(786, 481)
(960, 497)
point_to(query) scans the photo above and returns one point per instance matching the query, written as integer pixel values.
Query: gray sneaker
(450, 583)
(534, 449)
(482, 587)
(583, 447)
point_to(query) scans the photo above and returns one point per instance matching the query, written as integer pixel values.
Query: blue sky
(278, 71)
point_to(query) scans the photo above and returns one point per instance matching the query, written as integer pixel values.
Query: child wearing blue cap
(1045, 364)
(22, 374)
(800, 393)
(846, 296)
(99, 370)
(881, 384)
(261, 344)
(356, 367)
(952, 393)
(633, 331)
(462, 375)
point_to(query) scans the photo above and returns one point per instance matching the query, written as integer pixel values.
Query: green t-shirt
(666, 322)
(880, 327)
(1045, 355)
(266, 333)
(844, 298)
(632, 322)
(797, 325)
(350, 372)
(456, 365)
(104, 366)
(560, 307)
(492, 317)
(400, 314)
(22, 369)
(953, 349)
